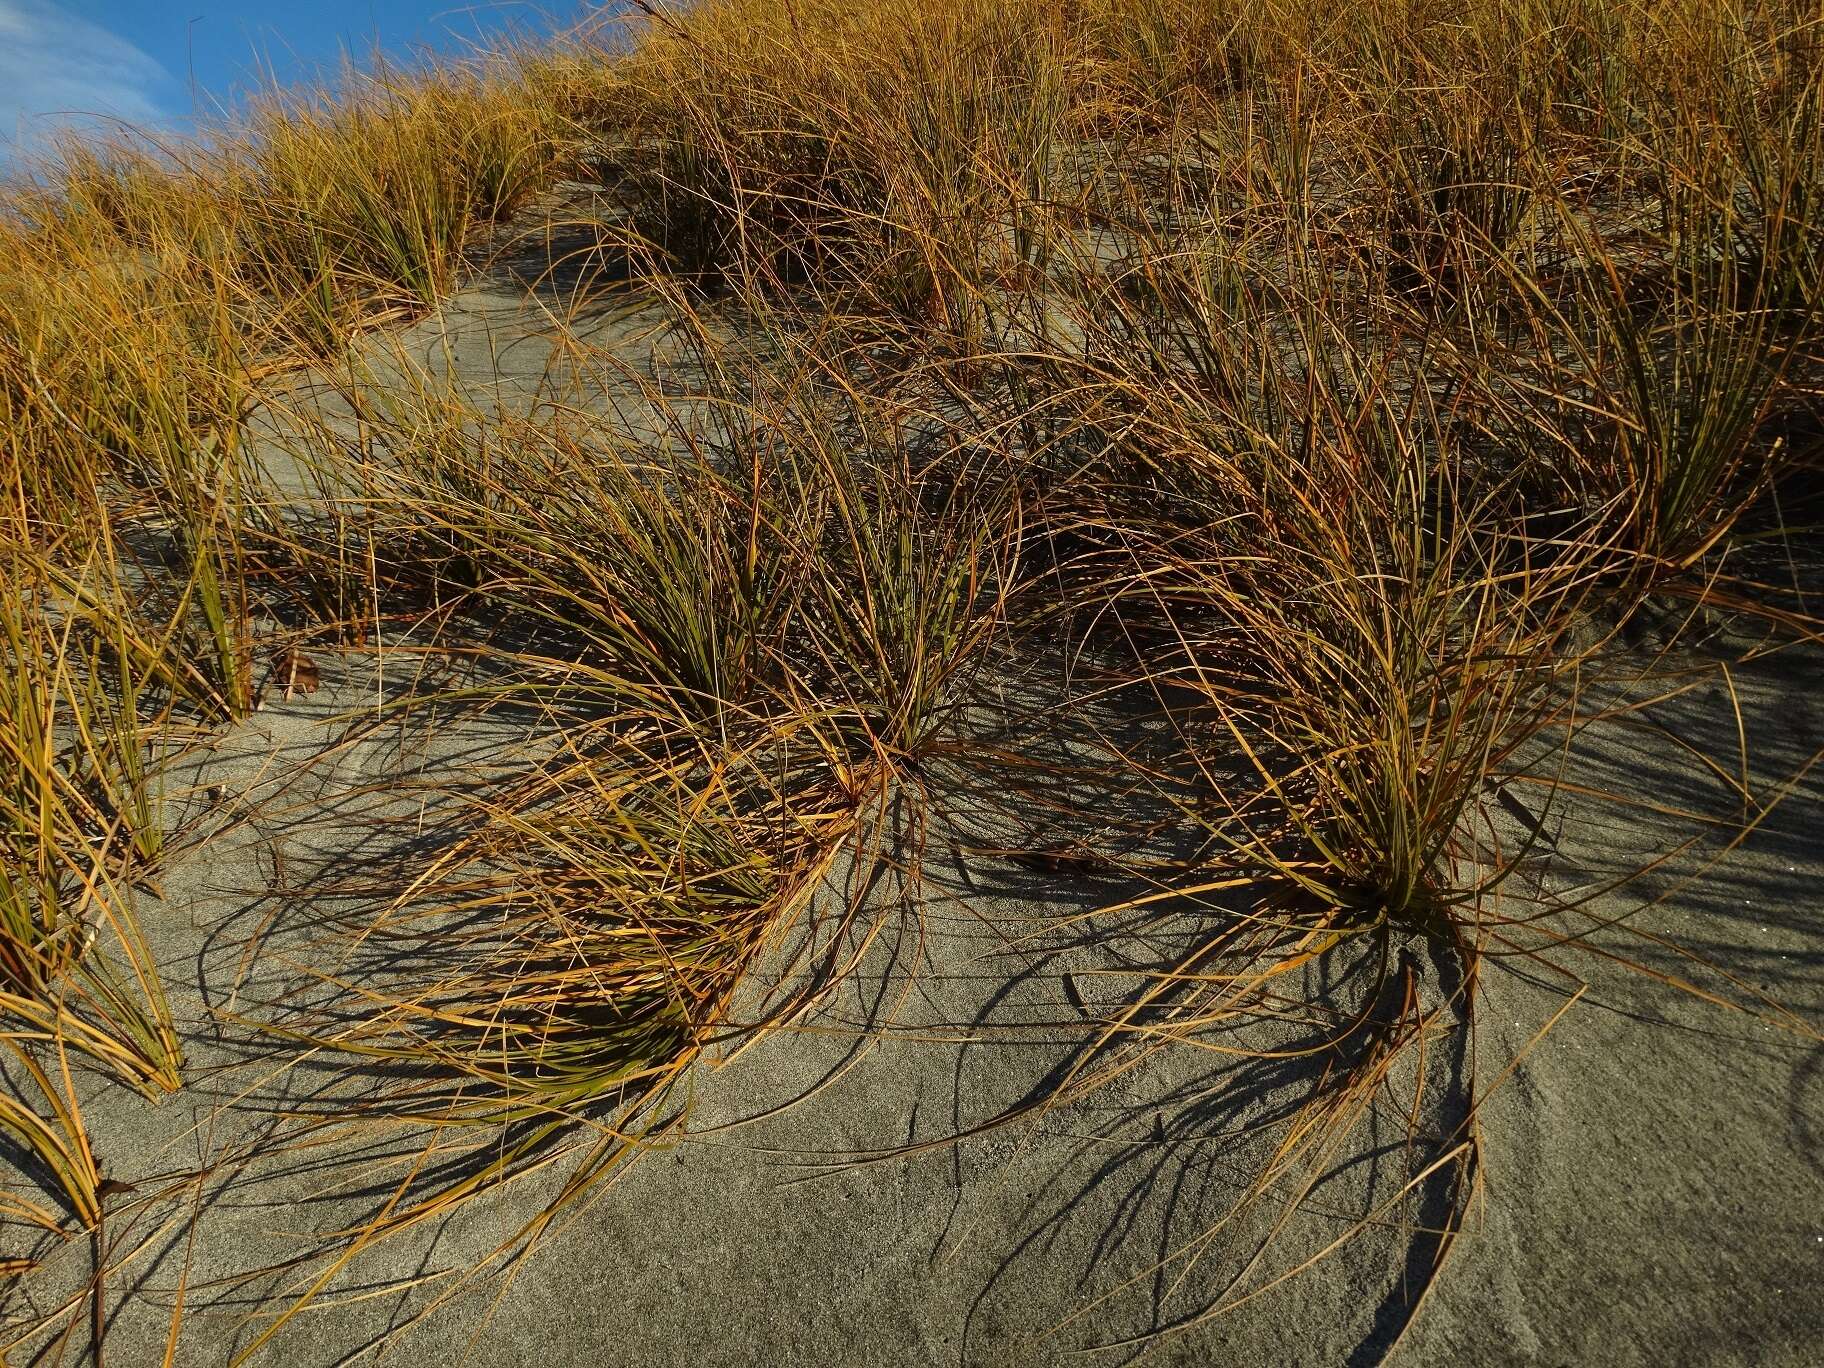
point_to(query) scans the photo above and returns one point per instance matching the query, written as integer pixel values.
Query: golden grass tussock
(1347, 376)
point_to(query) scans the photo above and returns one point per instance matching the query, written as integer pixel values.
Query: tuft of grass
(1661, 384)
(362, 204)
(80, 828)
(59, 1142)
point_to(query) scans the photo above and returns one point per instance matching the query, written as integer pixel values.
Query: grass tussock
(1349, 379)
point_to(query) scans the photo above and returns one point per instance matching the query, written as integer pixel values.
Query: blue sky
(142, 61)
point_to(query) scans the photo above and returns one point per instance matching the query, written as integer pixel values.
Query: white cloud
(58, 70)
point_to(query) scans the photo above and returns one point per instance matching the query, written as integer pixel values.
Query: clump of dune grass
(743, 620)
(58, 1141)
(81, 827)
(578, 951)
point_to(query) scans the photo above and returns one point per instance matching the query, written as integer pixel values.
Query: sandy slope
(1654, 1184)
